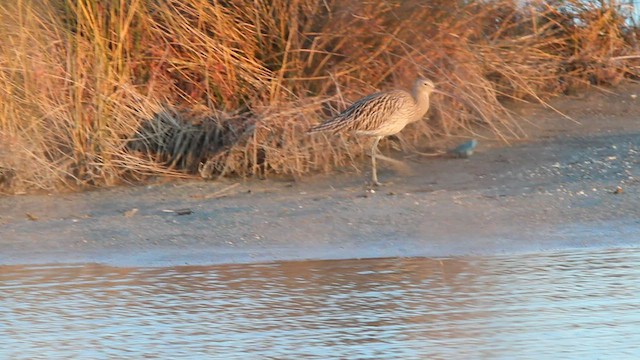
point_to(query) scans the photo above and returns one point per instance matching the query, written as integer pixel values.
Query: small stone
(183, 211)
(130, 213)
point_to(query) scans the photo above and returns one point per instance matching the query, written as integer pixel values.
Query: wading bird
(379, 115)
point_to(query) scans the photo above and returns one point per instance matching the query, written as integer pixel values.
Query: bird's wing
(366, 114)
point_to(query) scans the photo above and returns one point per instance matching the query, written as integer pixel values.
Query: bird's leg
(374, 153)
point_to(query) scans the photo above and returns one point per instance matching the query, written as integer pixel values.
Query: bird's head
(424, 86)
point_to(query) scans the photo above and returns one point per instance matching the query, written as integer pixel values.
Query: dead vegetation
(99, 93)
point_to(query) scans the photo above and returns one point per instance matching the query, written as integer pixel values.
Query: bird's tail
(334, 125)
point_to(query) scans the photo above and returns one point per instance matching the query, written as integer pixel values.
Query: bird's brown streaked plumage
(381, 114)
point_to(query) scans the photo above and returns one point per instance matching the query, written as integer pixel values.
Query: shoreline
(214, 256)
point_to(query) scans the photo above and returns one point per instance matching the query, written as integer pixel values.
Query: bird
(465, 149)
(379, 115)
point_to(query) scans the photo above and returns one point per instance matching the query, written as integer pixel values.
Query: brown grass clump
(96, 93)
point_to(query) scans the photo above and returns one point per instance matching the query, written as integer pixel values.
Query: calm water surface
(577, 305)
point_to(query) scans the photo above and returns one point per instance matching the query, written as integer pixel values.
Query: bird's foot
(431, 154)
(375, 183)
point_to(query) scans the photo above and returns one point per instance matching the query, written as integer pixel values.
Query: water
(577, 305)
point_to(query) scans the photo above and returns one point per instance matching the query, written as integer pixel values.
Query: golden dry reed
(96, 93)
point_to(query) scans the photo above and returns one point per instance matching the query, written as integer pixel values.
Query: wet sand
(565, 186)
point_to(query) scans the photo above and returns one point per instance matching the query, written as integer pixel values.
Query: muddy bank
(566, 186)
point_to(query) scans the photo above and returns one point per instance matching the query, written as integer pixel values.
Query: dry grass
(99, 93)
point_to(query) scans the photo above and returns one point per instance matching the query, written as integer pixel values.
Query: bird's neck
(422, 102)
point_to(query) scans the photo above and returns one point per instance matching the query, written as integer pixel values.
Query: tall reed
(96, 93)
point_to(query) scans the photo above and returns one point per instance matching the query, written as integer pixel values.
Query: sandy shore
(555, 190)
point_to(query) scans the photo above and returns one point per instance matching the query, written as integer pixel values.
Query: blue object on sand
(465, 149)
